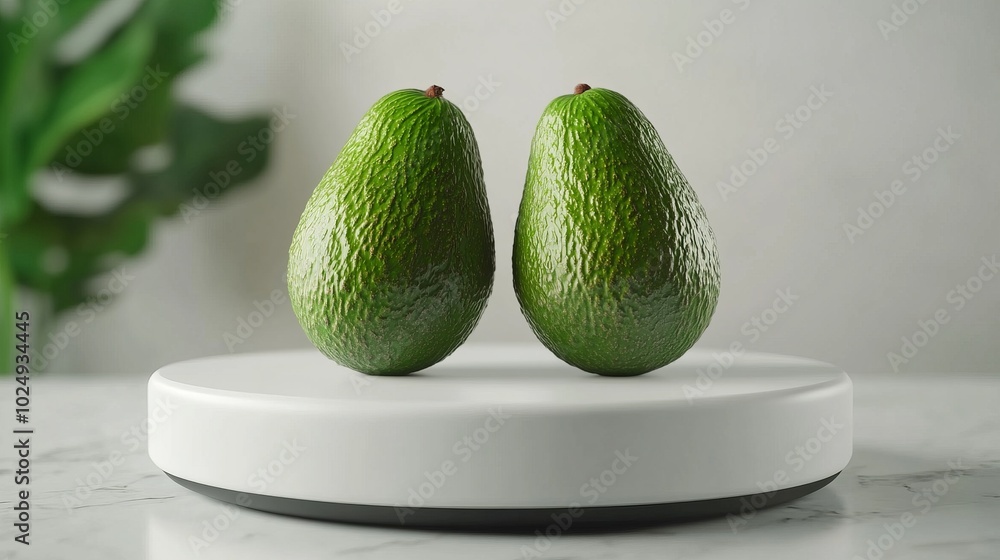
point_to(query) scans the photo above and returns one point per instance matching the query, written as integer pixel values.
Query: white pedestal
(500, 436)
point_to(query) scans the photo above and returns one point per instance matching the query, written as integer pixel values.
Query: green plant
(90, 116)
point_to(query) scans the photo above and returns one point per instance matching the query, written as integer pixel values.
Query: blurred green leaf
(204, 150)
(117, 100)
(71, 13)
(58, 254)
(91, 87)
(178, 23)
(140, 120)
(6, 309)
(130, 125)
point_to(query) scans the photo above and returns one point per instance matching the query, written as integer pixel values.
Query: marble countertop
(924, 482)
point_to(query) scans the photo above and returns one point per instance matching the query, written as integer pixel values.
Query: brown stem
(580, 88)
(434, 91)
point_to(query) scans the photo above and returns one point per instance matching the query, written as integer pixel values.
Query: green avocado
(615, 264)
(392, 262)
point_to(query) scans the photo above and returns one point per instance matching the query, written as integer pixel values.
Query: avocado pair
(615, 264)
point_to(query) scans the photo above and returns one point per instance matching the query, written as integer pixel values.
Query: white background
(783, 230)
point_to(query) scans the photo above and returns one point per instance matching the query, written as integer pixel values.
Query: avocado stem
(580, 88)
(434, 91)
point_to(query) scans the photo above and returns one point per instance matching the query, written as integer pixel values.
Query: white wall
(784, 229)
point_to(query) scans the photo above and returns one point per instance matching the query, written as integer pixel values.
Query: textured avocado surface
(392, 262)
(615, 264)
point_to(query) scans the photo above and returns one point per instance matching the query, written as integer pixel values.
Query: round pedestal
(501, 436)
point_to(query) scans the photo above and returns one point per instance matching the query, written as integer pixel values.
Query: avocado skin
(615, 264)
(392, 262)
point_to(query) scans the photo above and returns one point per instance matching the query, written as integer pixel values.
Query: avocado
(615, 264)
(392, 262)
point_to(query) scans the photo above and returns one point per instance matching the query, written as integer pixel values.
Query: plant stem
(6, 312)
